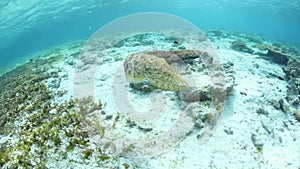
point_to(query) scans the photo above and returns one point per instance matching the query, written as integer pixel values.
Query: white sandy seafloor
(240, 129)
(240, 126)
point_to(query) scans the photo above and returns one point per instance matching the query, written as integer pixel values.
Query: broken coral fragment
(274, 53)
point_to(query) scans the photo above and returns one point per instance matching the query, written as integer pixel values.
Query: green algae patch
(38, 128)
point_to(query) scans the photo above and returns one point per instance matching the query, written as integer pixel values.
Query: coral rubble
(275, 54)
(292, 72)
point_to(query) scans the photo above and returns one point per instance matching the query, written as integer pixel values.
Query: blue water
(30, 26)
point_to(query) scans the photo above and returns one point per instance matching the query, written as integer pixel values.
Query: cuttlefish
(154, 67)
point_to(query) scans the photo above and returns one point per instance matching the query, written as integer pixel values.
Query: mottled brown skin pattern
(141, 67)
(153, 66)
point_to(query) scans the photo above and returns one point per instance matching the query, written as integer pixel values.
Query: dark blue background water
(278, 22)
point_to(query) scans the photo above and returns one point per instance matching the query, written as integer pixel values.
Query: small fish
(141, 67)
